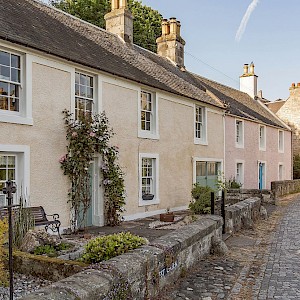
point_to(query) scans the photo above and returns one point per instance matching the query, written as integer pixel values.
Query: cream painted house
(169, 127)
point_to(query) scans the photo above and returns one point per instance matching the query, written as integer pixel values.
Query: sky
(270, 39)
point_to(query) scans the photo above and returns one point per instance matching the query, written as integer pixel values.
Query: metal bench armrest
(55, 216)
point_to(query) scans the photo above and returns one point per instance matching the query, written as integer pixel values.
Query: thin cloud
(245, 20)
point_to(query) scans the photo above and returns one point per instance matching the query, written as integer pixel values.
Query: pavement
(263, 263)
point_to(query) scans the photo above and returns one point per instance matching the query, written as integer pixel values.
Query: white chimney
(248, 81)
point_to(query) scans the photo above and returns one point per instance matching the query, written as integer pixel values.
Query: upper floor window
(280, 141)
(200, 125)
(84, 94)
(239, 133)
(262, 137)
(148, 115)
(10, 81)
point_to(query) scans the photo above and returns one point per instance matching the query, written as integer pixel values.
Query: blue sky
(271, 40)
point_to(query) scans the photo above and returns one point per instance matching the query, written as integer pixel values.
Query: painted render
(250, 154)
(175, 145)
(52, 85)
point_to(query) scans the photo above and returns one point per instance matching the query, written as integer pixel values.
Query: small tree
(88, 136)
(3, 237)
(201, 199)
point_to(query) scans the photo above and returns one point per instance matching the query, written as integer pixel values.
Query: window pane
(90, 92)
(2, 161)
(15, 75)
(15, 61)
(11, 161)
(2, 174)
(4, 58)
(4, 103)
(77, 76)
(148, 126)
(11, 174)
(14, 90)
(3, 88)
(143, 125)
(90, 81)
(83, 80)
(76, 89)
(2, 185)
(89, 105)
(82, 90)
(4, 73)
(14, 104)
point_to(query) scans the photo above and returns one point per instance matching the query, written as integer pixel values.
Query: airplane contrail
(245, 20)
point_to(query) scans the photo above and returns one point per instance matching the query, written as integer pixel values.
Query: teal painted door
(261, 176)
(207, 173)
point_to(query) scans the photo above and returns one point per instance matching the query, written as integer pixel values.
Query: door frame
(262, 181)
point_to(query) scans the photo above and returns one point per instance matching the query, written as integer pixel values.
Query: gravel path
(23, 284)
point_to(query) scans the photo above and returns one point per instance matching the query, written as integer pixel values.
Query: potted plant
(147, 196)
(167, 216)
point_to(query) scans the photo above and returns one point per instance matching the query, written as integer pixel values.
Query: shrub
(106, 247)
(3, 237)
(201, 199)
(50, 250)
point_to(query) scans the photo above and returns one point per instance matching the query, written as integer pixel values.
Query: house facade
(257, 142)
(288, 111)
(167, 126)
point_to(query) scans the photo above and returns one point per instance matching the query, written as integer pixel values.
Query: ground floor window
(239, 174)
(149, 181)
(280, 172)
(7, 172)
(207, 173)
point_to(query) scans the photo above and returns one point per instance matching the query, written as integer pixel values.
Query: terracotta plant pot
(167, 217)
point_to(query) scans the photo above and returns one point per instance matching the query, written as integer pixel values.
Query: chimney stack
(171, 44)
(295, 90)
(120, 21)
(248, 81)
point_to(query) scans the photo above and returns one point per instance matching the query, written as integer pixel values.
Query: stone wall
(143, 272)
(234, 196)
(242, 215)
(281, 188)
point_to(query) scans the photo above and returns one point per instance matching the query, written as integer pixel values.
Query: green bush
(106, 247)
(201, 199)
(51, 250)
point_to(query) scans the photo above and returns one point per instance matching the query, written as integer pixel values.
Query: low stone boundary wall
(242, 214)
(234, 196)
(143, 272)
(282, 188)
(49, 268)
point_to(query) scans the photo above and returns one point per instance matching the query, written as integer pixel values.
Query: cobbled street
(263, 263)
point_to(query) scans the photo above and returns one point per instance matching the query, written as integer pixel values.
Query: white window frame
(203, 139)
(153, 133)
(239, 136)
(155, 172)
(280, 176)
(262, 139)
(95, 84)
(242, 175)
(22, 154)
(281, 141)
(24, 115)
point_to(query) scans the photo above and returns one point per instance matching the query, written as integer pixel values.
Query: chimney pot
(165, 28)
(252, 68)
(114, 4)
(293, 84)
(246, 69)
(123, 4)
(173, 26)
(298, 84)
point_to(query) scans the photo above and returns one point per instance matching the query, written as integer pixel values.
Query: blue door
(261, 176)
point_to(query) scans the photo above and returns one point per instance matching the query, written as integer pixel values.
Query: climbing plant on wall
(89, 136)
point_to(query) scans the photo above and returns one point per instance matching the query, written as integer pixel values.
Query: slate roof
(240, 104)
(38, 26)
(33, 24)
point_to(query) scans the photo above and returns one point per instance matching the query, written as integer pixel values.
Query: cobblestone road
(263, 263)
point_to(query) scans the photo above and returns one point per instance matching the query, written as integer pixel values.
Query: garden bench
(40, 219)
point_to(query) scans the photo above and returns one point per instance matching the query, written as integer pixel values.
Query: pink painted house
(257, 142)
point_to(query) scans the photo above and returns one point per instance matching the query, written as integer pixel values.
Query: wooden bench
(40, 219)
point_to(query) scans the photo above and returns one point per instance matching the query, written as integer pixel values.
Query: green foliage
(106, 247)
(23, 221)
(146, 22)
(296, 167)
(50, 250)
(224, 184)
(3, 237)
(201, 199)
(87, 137)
